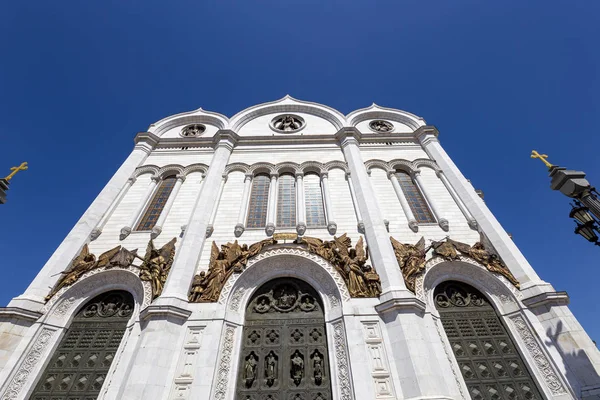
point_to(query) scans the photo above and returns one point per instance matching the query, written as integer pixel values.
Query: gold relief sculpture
(206, 286)
(156, 265)
(411, 259)
(447, 249)
(86, 261)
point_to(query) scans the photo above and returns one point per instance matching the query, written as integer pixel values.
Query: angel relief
(156, 265)
(411, 259)
(206, 286)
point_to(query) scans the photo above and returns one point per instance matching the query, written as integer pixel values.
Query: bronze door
(79, 366)
(487, 357)
(284, 348)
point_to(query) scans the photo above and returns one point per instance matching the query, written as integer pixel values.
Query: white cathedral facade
(291, 252)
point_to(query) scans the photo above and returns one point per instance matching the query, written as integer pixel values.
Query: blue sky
(79, 79)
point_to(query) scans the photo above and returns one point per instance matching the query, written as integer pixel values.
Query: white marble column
(157, 229)
(410, 217)
(33, 297)
(241, 225)
(331, 225)
(133, 218)
(503, 244)
(435, 209)
(360, 223)
(188, 251)
(470, 220)
(211, 223)
(272, 206)
(97, 231)
(300, 204)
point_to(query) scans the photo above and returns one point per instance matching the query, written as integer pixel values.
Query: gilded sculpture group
(361, 279)
(412, 258)
(154, 268)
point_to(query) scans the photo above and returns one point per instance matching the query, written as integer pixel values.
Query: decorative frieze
(341, 357)
(225, 363)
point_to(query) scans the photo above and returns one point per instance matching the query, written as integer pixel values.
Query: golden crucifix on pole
(22, 167)
(542, 157)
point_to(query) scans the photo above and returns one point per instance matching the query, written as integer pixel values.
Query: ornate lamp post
(4, 182)
(586, 207)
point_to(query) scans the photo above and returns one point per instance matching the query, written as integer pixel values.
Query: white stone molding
(198, 116)
(461, 205)
(435, 209)
(243, 214)
(460, 383)
(345, 391)
(126, 230)
(198, 167)
(146, 169)
(213, 215)
(262, 168)
(33, 357)
(377, 112)
(184, 373)
(360, 225)
(546, 369)
(410, 217)
(378, 360)
(157, 229)
(225, 362)
(331, 165)
(97, 231)
(239, 167)
(267, 265)
(370, 164)
(308, 167)
(272, 206)
(300, 204)
(170, 169)
(329, 214)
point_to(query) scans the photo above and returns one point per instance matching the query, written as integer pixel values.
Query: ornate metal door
(284, 350)
(79, 366)
(488, 359)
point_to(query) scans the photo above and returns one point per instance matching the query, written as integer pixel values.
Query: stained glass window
(315, 214)
(415, 199)
(259, 200)
(156, 205)
(286, 202)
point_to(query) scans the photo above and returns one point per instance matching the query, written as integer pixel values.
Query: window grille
(259, 200)
(315, 213)
(286, 202)
(415, 198)
(156, 205)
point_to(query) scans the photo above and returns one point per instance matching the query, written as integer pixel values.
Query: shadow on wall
(580, 370)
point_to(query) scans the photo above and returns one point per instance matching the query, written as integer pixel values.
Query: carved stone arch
(61, 308)
(403, 165)
(336, 165)
(263, 168)
(315, 167)
(239, 167)
(187, 118)
(171, 169)
(506, 301)
(422, 162)
(146, 169)
(195, 168)
(391, 114)
(380, 164)
(287, 168)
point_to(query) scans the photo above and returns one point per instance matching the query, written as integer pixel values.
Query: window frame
(411, 200)
(154, 200)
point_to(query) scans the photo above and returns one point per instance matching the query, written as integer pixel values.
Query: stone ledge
(19, 313)
(154, 311)
(550, 298)
(401, 305)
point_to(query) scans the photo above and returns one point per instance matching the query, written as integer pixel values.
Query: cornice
(20, 313)
(146, 137)
(547, 298)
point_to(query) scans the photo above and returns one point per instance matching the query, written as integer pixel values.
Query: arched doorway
(284, 346)
(487, 357)
(79, 365)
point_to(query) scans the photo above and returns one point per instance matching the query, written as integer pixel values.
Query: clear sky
(79, 79)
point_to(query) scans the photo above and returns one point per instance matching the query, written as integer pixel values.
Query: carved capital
(270, 229)
(125, 231)
(324, 174)
(239, 229)
(413, 225)
(209, 230)
(473, 224)
(156, 231)
(180, 178)
(96, 232)
(361, 227)
(332, 228)
(155, 179)
(301, 228)
(387, 224)
(131, 180)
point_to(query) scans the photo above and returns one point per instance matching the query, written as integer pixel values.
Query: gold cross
(535, 154)
(14, 170)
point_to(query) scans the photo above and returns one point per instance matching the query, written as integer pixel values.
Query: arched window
(487, 357)
(315, 213)
(415, 198)
(259, 200)
(156, 205)
(79, 365)
(286, 202)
